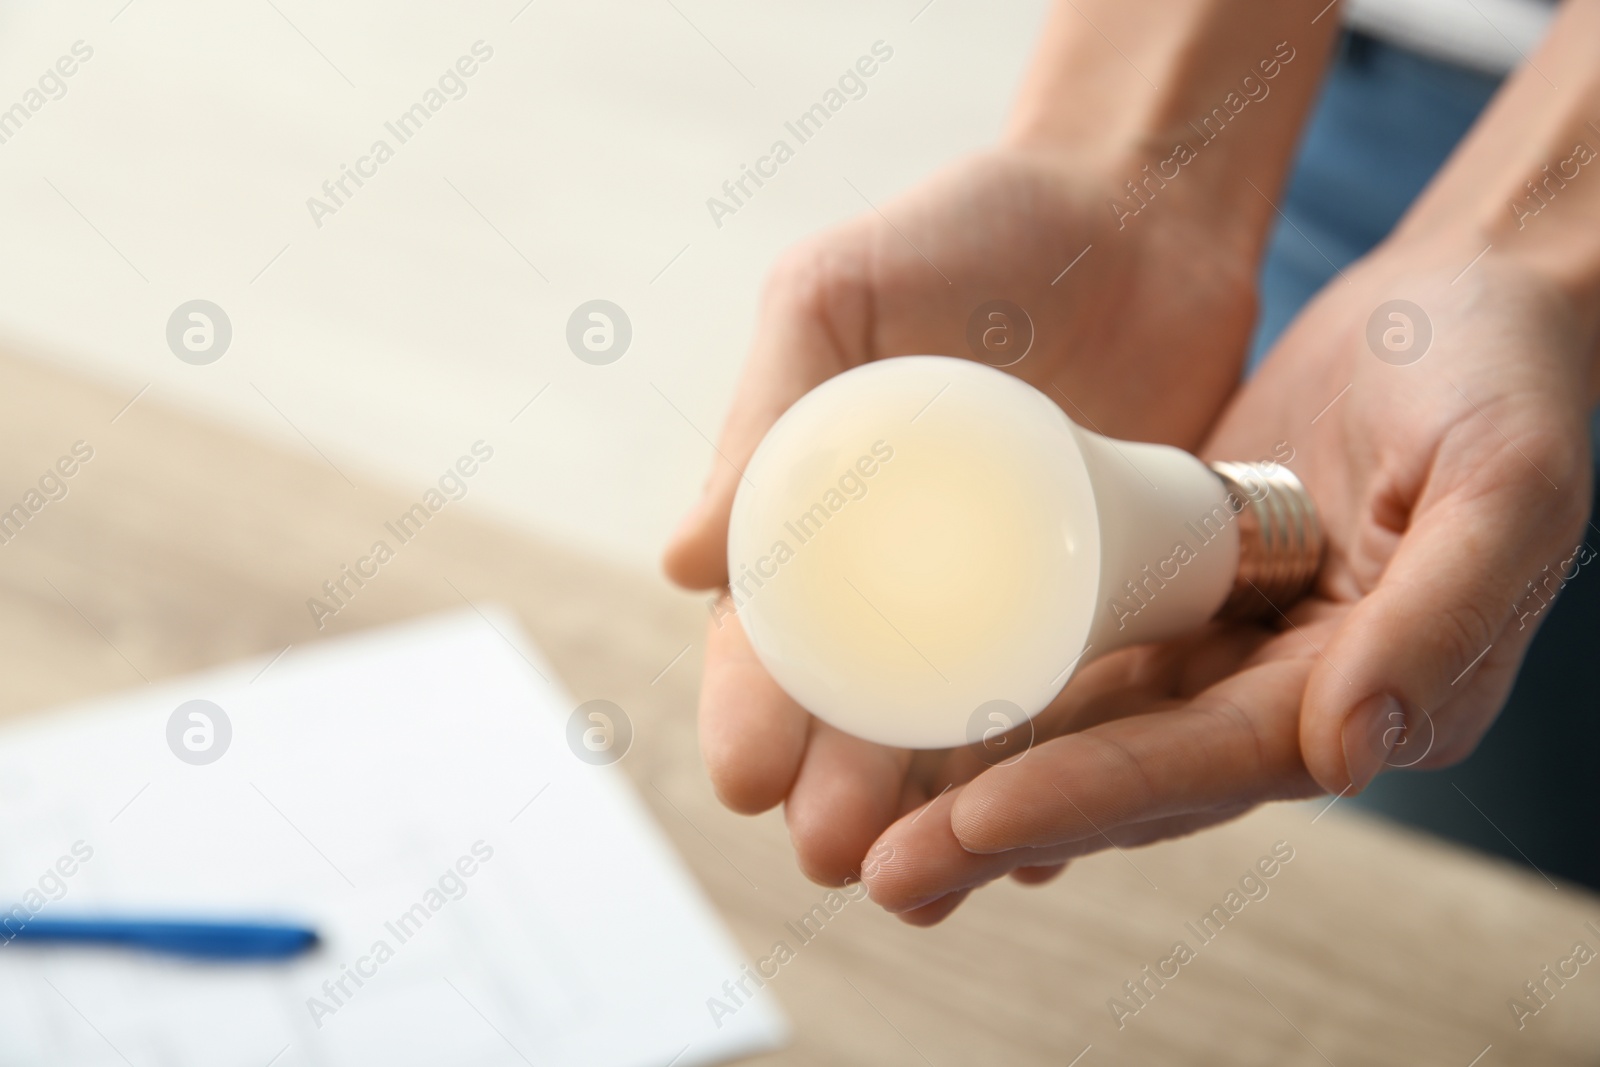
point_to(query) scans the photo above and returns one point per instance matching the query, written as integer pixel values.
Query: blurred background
(429, 308)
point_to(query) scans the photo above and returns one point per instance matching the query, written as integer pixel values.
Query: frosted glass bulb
(922, 539)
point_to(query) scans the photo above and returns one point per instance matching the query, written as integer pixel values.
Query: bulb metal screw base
(1280, 539)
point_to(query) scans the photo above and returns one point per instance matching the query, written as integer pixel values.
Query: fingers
(752, 735)
(848, 790)
(1235, 743)
(815, 297)
(918, 861)
(921, 871)
(1127, 781)
(1414, 653)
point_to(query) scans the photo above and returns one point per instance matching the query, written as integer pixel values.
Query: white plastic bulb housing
(922, 539)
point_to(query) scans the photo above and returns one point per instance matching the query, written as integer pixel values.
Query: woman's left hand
(1448, 476)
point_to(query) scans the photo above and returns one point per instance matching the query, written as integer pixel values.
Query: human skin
(1445, 486)
(1164, 297)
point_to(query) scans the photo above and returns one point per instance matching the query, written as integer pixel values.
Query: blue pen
(199, 939)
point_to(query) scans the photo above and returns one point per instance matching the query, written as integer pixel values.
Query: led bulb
(922, 540)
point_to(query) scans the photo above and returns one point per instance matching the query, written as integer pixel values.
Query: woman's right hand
(1141, 338)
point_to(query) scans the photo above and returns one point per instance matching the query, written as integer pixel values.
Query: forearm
(1526, 181)
(1191, 102)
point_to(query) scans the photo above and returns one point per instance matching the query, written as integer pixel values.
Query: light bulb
(921, 540)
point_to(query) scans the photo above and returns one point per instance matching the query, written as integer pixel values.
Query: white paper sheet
(360, 773)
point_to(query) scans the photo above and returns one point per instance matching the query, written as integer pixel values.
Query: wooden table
(181, 545)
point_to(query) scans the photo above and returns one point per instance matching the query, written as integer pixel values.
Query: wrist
(1546, 322)
(1538, 210)
(1187, 196)
(1524, 188)
(1189, 111)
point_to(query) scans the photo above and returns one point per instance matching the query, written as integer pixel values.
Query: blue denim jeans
(1386, 121)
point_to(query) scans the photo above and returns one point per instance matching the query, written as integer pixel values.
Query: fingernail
(1369, 735)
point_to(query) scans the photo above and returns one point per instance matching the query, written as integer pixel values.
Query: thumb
(794, 351)
(1408, 662)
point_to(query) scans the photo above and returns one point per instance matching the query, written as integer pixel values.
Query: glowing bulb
(921, 540)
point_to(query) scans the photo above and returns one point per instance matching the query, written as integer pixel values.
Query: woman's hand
(1139, 316)
(1446, 480)
(1143, 337)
